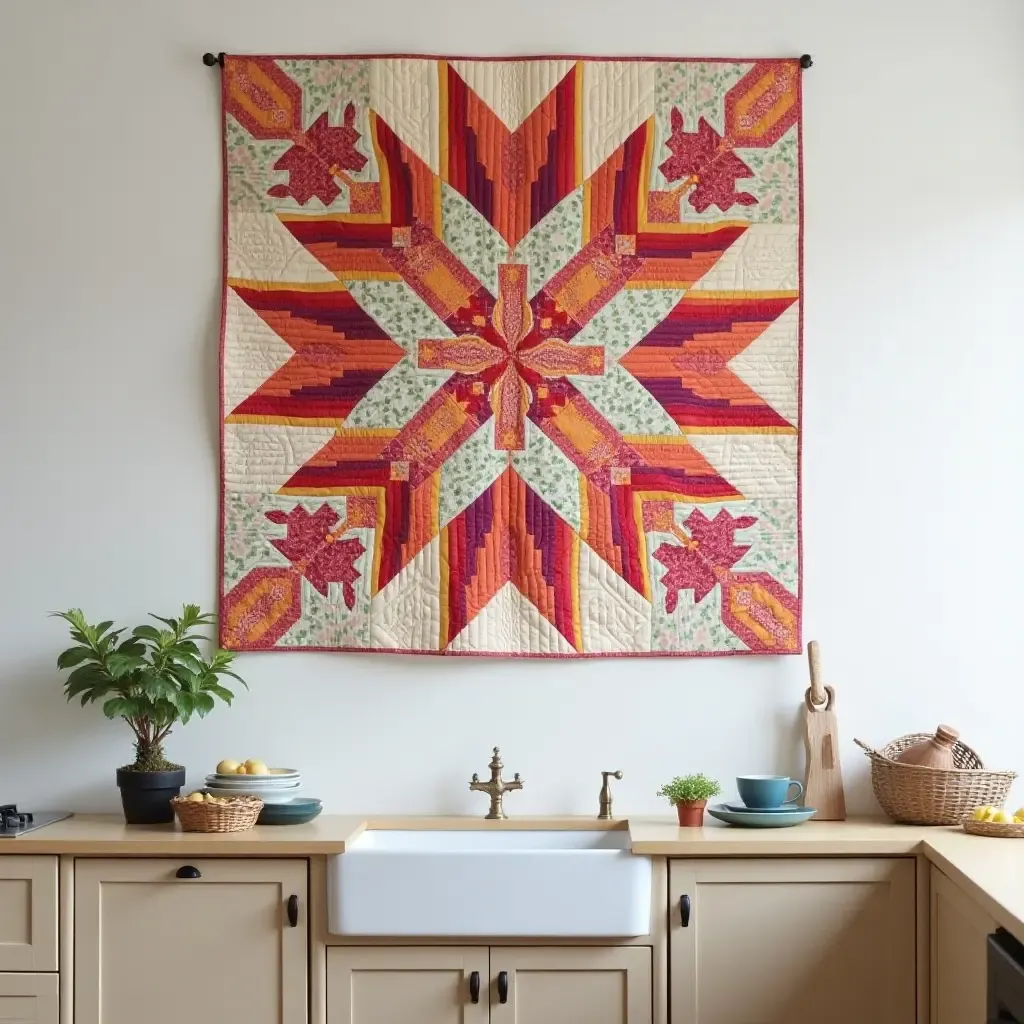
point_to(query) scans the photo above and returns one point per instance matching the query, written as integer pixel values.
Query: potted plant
(690, 794)
(153, 679)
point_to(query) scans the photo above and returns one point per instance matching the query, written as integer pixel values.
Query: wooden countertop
(93, 834)
(991, 871)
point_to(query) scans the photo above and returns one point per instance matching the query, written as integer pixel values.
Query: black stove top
(16, 823)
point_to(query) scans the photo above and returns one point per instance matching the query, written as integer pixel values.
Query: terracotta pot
(691, 813)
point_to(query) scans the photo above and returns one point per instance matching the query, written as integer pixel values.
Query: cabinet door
(28, 913)
(403, 985)
(217, 947)
(554, 985)
(959, 955)
(793, 941)
(29, 999)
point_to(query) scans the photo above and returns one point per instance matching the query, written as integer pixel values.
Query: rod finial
(806, 62)
(213, 59)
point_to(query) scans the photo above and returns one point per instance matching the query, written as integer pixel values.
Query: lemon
(241, 770)
(227, 767)
(256, 768)
(210, 798)
(1001, 817)
(1019, 813)
(1018, 819)
(196, 797)
(981, 813)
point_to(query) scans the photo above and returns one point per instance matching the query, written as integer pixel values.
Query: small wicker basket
(237, 815)
(915, 795)
(993, 829)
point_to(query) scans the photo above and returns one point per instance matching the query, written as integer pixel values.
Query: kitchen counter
(95, 834)
(991, 871)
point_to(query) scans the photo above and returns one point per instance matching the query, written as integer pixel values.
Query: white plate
(270, 780)
(276, 774)
(271, 797)
(253, 787)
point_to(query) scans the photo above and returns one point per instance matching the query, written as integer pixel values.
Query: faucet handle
(605, 811)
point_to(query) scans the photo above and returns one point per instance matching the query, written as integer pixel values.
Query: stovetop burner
(16, 823)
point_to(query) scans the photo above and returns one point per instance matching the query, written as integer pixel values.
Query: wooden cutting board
(823, 785)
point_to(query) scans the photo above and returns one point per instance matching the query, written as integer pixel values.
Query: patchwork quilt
(511, 356)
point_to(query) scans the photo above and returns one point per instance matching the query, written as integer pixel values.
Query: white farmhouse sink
(489, 883)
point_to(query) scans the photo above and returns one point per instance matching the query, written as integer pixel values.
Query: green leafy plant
(685, 789)
(153, 678)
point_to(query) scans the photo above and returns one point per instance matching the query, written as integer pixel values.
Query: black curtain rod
(217, 60)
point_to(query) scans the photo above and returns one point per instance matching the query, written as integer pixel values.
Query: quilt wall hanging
(511, 356)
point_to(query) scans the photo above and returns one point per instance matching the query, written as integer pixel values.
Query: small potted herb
(690, 794)
(153, 679)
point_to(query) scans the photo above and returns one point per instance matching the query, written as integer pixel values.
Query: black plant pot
(146, 796)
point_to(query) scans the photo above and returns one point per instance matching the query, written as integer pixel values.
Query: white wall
(109, 306)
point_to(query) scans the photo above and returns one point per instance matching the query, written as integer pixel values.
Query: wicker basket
(915, 795)
(237, 815)
(994, 829)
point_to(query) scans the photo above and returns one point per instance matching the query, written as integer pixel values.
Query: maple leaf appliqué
(705, 558)
(317, 550)
(707, 161)
(318, 159)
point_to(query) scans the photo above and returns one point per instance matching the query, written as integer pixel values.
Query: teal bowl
(294, 812)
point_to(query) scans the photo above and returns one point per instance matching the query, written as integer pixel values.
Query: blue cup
(764, 792)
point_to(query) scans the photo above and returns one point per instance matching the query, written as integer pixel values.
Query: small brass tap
(497, 787)
(605, 811)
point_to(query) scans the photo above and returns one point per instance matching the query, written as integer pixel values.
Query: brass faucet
(497, 787)
(605, 812)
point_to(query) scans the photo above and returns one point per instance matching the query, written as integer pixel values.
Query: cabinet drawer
(28, 913)
(29, 998)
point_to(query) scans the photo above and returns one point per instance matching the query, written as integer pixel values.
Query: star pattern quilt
(511, 356)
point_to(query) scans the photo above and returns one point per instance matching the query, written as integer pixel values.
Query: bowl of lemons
(204, 812)
(996, 822)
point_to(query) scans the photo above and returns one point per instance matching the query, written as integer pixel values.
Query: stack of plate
(278, 787)
(762, 817)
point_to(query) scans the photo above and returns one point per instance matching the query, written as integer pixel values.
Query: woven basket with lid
(915, 795)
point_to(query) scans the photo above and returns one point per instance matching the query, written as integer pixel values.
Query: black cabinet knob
(188, 871)
(684, 910)
(474, 987)
(502, 986)
(293, 910)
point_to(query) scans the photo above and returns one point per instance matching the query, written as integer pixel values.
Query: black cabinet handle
(474, 987)
(293, 911)
(187, 871)
(684, 910)
(502, 986)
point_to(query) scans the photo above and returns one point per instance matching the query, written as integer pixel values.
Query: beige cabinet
(200, 941)
(794, 941)
(28, 913)
(402, 985)
(555, 985)
(477, 985)
(959, 954)
(29, 999)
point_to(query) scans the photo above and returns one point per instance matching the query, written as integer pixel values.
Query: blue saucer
(762, 819)
(741, 808)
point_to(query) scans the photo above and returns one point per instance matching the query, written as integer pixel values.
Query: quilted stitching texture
(511, 356)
